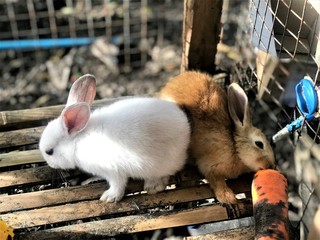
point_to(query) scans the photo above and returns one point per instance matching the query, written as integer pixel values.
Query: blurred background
(131, 47)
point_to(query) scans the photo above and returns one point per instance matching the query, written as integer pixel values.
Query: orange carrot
(270, 205)
(5, 231)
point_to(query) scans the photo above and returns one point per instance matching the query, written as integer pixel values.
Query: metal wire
(128, 24)
(287, 31)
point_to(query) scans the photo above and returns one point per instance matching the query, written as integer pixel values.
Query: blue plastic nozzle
(307, 102)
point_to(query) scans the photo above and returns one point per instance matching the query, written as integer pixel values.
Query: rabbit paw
(226, 195)
(111, 196)
(153, 186)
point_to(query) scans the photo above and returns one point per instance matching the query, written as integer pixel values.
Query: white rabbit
(139, 137)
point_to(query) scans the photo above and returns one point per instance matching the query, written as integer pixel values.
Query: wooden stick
(9, 118)
(32, 135)
(188, 176)
(243, 233)
(42, 174)
(134, 223)
(46, 198)
(200, 37)
(86, 209)
(20, 157)
(37, 175)
(20, 137)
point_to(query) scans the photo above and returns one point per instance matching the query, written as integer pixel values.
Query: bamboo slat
(245, 233)
(133, 224)
(80, 202)
(45, 198)
(20, 157)
(9, 118)
(20, 137)
(32, 135)
(50, 197)
(43, 174)
(29, 115)
(95, 208)
(36, 175)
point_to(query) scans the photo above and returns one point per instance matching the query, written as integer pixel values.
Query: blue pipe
(44, 43)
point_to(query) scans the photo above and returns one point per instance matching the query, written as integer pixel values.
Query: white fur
(143, 138)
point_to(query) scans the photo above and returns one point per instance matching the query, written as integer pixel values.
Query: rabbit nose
(270, 166)
(264, 166)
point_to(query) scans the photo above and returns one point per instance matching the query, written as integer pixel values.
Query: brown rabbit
(224, 142)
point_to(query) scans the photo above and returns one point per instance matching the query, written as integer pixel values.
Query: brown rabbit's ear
(238, 105)
(82, 90)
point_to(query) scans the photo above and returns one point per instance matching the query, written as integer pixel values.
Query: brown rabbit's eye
(50, 151)
(259, 144)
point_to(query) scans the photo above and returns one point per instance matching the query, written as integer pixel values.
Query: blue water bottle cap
(307, 99)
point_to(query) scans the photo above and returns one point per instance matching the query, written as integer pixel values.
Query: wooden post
(201, 29)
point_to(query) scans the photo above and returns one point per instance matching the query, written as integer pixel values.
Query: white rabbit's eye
(259, 144)
(50, 151)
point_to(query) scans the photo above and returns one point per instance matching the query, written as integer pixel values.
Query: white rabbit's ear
(238, 105)
(82, 90)
(75, 117)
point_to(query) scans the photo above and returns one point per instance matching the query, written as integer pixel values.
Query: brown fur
(212, 141)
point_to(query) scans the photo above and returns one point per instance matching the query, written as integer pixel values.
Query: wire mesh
(128, 24)
(130, 46)
(279, 46)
